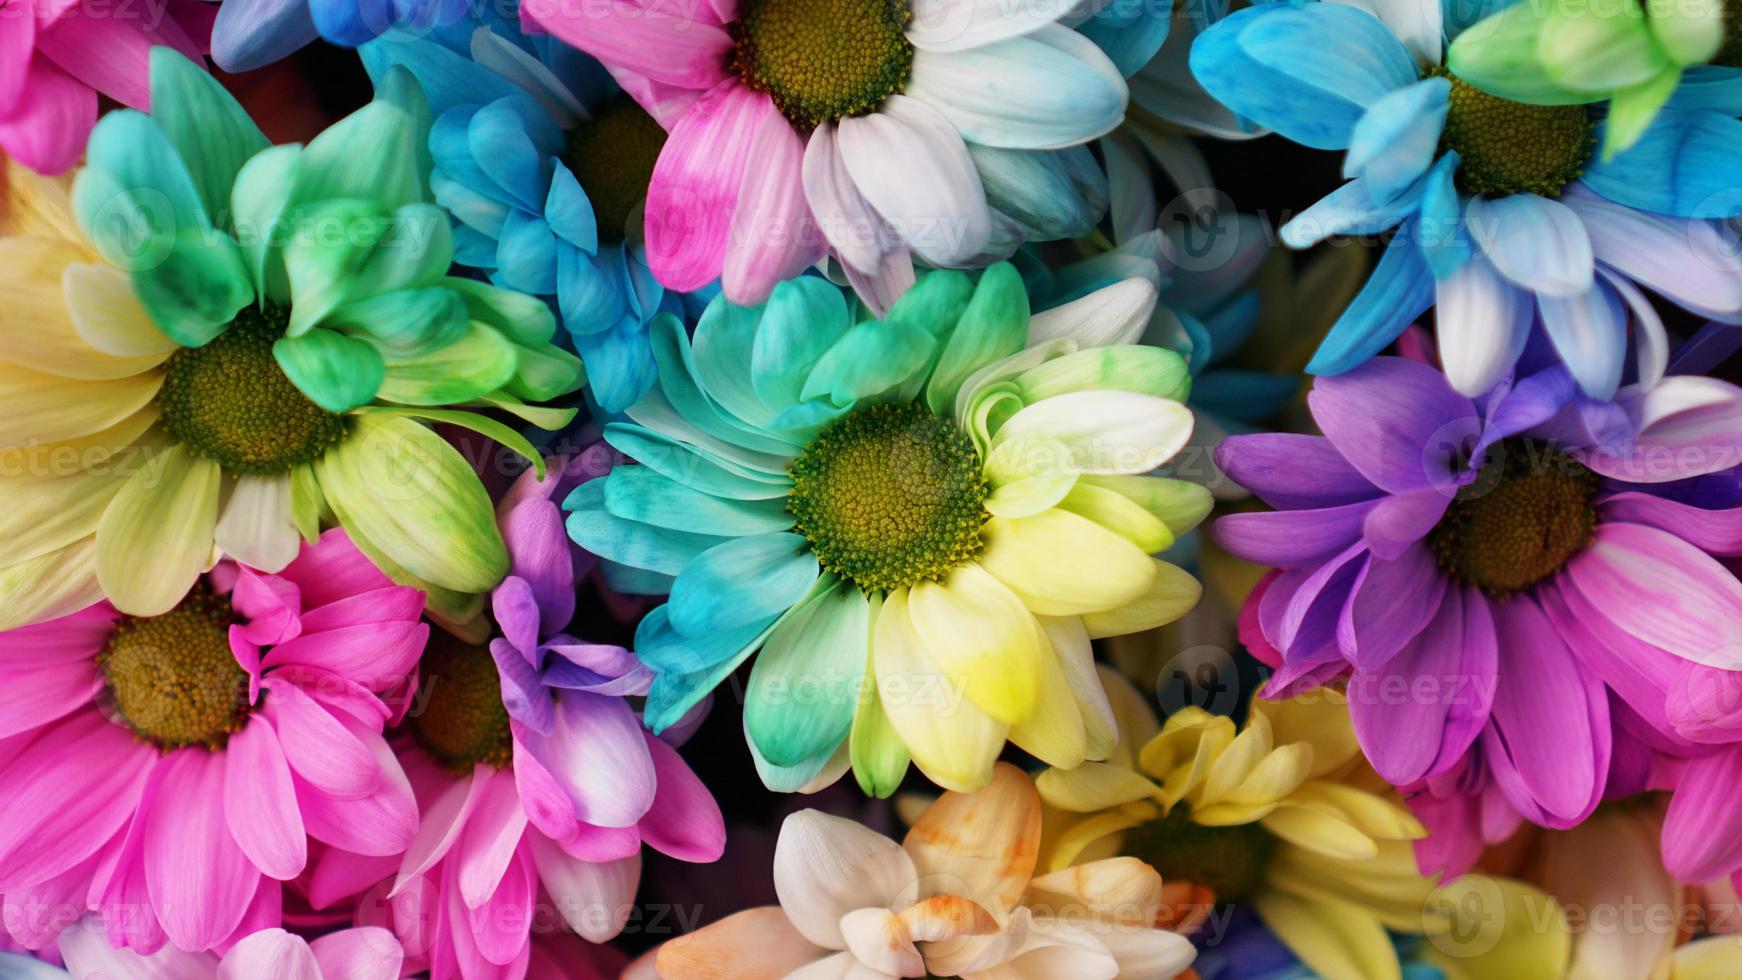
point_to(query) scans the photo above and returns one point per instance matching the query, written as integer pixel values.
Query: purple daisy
(1507, 582)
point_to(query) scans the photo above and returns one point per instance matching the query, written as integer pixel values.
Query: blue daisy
(543, 162)
(250, 34)
(1506, 219)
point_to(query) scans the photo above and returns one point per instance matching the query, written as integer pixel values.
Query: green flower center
(231, 403)
(462, 721)
(1524, 517)
(822, 60)
(1509, 147)
(172, 678)
(612, 156)
(890, 495)
(1230, 861)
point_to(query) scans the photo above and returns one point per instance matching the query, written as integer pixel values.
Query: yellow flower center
(890, 495)
(1524, 517)
(231, 403)
(172, 678)
(1509, 147)
(462, 722)
(612, 155)
(822, 60)
(1230, 861)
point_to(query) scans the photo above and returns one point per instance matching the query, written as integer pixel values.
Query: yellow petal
(107, 314)
(1092, 786)
(1053, 731)
(1061, 564)
(1320, 719)
(31, 204)
(980, 845)
(50, 585)
(1114, 512)
(1389, 884)
(1334, 939)
(1076, 659)
(1501, 928)
(979, 634)
(1318, 831)
(1242, 756)
(105, 448)
(45, 408)
(1132, 714)
(155, 538)
(1098, 836)
(951, 740)
(1276, 776)
(1180, 504)
(1119, 889)
(35, 330)
(1172, 593)
(879, 756)
(1181, 756)
(48, 515)
(1711, 958)
(1374, 815)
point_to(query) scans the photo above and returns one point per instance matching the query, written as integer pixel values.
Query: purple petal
(1717, 532)
(1294, 471)
(1663, 590)
(1702, 832)
(538, 551)
(1389, 604)
(517, 614)
(523, 692)
(1300, 612)
(1402, 520)
(1291, 538)
(1396, 421)
(597, 754)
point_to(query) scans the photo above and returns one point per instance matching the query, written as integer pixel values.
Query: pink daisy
(537, 781)
(270, 954)
(168, 771)
(57, 56)
(875, 130)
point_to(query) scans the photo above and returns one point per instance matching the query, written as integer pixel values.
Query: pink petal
(1663, 590)
(260, 802)
(271, 605)
(17, 42)
(271, 954)
(36, 914)
(88, 954)
(442, 825)
(665, 103)
(265, 912)
(320, 747)
(597, 753)
(47, 127)
(595, 896)
(199, 880)
(773, 237)
(38, 697)
(1688, 426)
(338, 875)
(118, 888)
(112, 53)
(501, 923)
(545, 801)
(67, 795)
(379, 824)
(684, 51)
(684, 820)
(1717, 532)
(376, 655)
(80, 636)
(369, 953)
(491, 837)
(463, 944)
(1702, 832)
(383, 605)
(332, 569)
(696, 183)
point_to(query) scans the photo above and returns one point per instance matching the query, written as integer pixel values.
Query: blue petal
(592, 293)
(474, 248)
(619, 362)
(692, 465)
(1395, 142)
(742, 581)
(629, 542)
(668, 652)
(1688, 163)
(526, 255)
(351, 22)
(480, 212)
(1351, 209)
(1399, 290)
(512, 141)
(1036, 190)
(1441, 230)
(448, 78)
(1130, 34)
(450, 145)
(569, 212)
(1590, 334)
(250, 34)
(1714, 87)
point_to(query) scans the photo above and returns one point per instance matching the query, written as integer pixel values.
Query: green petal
(480, 362)
(378, 153)
(209, 128)
(804, 685)
(802, 318)
(1587, 53)
(406, 322)
(1500, 55)
(472, 421)
(807, 776)
(1180, 504)
(351, 250)
(527, 320)
(257, 202)
(880, 757)
(414, 497)
(544, 372)
(443, 605)
(336, 372)
(194, 293)
(1028, 474)
(1146, 370)
(308, 506)
(994, 325)
(870, 358)
(1632, 110)
(1690, 33)
(542, 416)
(935, 302)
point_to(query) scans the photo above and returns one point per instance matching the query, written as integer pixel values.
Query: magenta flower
(537, 781)
(57, 56)
(168, 771)
(1506, 582)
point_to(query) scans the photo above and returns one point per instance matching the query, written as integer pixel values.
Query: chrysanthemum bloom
(169, 770)
(1492, 571)
(921, 521)
(545, 171)
(1280, 814)
(959, 897)
(270, 954)
(250, 34)
(60, 57)
(1682, 55)
(1503, 214)
(881, 129)
(264, 350)
(534, 774)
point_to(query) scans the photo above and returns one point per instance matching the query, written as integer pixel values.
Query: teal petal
(676, 691)
(357, 250)
(796, 777)
(544, 372)
(336, 372)
(130, 154)
(935, 302)
(406, 322)
(205, 123)
(870, 359)
(379, 153)
(694, 466)
(994, 326)
(641, 493)
(742, 580)
(801, 320)
(627, 542)
(804, 686)
(526, 320)
(257, 201)
(684, 393)
(722, 349)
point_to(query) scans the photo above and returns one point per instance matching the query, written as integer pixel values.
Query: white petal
(256, 528)
(852, 226)
(1483, 324)
(1109, 316)
(957, 25)
(1417, 23)
(1106, 431)
(879, 941)
(88, 954)
(1045, 91)
(826, 866)
(912, 166)
(1533, 241)
(595, 898)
